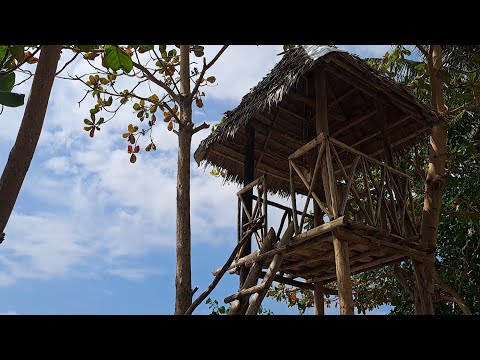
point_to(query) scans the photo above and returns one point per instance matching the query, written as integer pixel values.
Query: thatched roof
(281, 108)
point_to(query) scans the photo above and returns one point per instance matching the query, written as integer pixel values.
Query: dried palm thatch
(281, 108)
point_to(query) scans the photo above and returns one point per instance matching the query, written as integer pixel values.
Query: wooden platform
(310, 254)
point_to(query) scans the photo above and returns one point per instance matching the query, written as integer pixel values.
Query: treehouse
(322, 127)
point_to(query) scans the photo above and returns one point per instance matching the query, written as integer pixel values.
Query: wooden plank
(390, 246)
(383, 261)
(354, 122)
(296, 242)
(307, 147)
(369, 158)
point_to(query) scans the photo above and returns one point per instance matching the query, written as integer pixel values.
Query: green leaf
(87, 122)
(86, 48)
(148, 147)
(7, 82)
(116, 59)
(101, 121)
(11, 99)
(131, 128)
(211, 79)
(18, 52)
(136, 106)
(125, 135)
(88, 128)
(3, 51)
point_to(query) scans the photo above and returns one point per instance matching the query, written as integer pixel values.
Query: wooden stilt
(248, 173)
(342, 264)
(318, 298)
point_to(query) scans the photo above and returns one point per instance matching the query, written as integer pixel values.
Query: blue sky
(92, 233)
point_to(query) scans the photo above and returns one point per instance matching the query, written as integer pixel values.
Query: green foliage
(116, 59)
(12, 57)
(224, 310)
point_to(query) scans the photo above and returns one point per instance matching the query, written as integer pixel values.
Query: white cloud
(94, 213)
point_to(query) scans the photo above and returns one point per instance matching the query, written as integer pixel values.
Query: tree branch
(20, 64)
(422, 50)
(454, 297)
(398, 275)
(153, 79)
(67, 63)
(205, 68)
(224, 269)
(173, 113)
(200, 127)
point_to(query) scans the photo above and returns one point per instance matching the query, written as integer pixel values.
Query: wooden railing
(257, 219)
(365, 190)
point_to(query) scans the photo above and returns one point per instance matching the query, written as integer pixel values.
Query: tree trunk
(183, 281)
(435, 184)
(22, 152)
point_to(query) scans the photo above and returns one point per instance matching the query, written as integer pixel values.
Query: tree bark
(183, 281)
(435, 184)
(22, 152)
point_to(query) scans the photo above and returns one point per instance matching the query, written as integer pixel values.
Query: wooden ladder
(240, 305)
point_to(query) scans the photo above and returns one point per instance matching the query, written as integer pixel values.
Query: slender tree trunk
(22, 152)
(434, 185)
(183, 281)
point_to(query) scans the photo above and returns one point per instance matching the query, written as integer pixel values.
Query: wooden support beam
(246, 199)
(300, 97)
(318, 297)
(244, 292)
(250, 186)
(342, 264)
(307, 147)
(354, 122)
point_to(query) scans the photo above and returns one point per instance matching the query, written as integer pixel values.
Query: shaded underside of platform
(369, 248)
